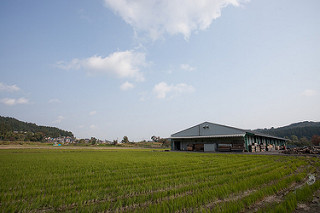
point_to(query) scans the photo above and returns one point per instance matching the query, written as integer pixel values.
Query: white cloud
(8, 101)
(157, 18)
(92, 126)
(92, 112)
(22, 101)
(187, 67)
(126, 64)
(74, 64)
(8, 88)
(13, 101)
(162, 89)
(126, 86)
(59, 119)
(54, 101)
(309, 92)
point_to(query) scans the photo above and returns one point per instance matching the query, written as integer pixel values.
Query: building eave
(209, 136)
(254, 133)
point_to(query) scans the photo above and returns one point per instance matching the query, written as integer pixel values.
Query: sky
(138, 68)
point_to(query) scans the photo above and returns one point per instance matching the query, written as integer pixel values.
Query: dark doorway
(177, 145)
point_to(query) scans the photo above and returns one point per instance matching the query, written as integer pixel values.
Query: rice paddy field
(87, 180)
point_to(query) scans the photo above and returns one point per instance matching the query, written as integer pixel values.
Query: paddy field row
(150, 181)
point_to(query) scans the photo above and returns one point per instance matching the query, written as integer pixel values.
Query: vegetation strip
(140, 180)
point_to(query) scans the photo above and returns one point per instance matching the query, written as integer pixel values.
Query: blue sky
(141, 68)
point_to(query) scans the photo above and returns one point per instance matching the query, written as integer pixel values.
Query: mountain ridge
(300, 129)
(12, 128)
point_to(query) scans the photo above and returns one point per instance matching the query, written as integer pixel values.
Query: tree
(165, 142)
(294, 139)
(115, 142)
(305, 142)
(28, 136)
(125, 139)
(155, 138)
(315, 140)
(82, 141)
(93, 140)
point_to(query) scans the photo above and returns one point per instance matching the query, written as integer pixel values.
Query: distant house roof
(212, 130)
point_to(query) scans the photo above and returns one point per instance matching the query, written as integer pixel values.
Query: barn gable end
(208, 129)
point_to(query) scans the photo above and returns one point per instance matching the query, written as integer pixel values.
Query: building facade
(213, 137)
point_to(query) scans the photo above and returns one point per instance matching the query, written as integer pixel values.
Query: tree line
(305, 129)
(12, 129)
(300, 134)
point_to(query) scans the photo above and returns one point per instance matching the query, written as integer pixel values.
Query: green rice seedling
(132, 180)
(291, 200)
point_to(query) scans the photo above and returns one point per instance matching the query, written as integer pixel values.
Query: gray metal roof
(212, 130)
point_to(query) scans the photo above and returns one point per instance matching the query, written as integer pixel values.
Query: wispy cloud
(162, 89)
(59, 119)
(9, 88)
(13, 101)
(54, 101)
(92, 126)
(157, 18)
(126, 86)
(309, 92)
(187, 67)
(92, 112)
(125, 64)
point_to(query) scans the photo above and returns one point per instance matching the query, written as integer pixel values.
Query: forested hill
(302, 129)
(12, 126)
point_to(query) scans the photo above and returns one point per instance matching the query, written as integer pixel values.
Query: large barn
(213, 137)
